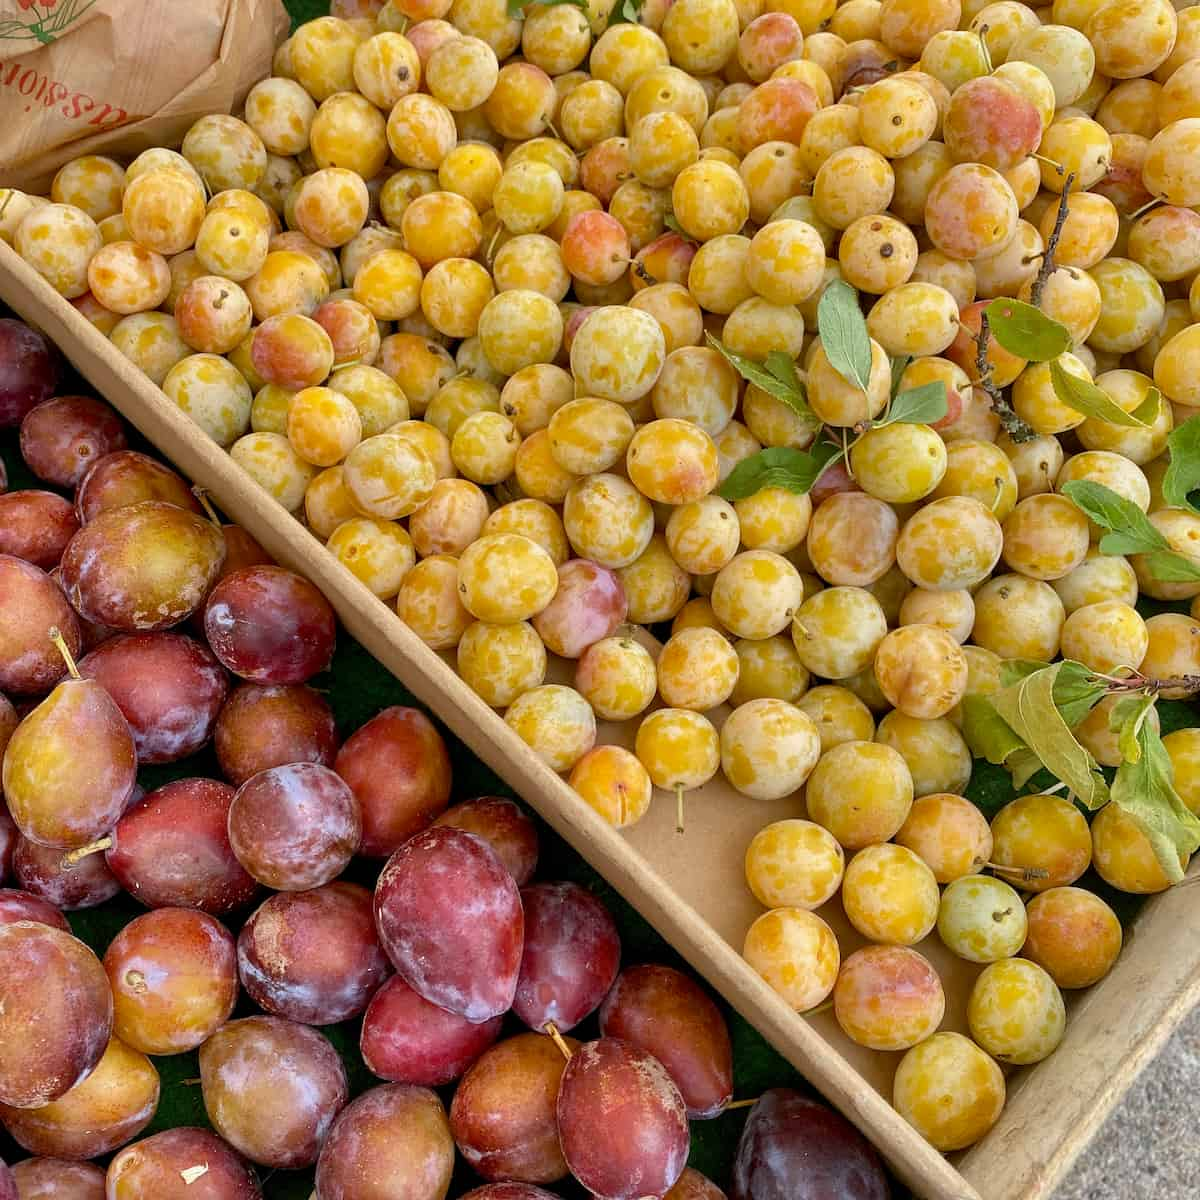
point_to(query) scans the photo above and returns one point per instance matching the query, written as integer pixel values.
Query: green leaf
(671, 221)
(899, 366)
(1169, 566)
(630, 10)
(1129, 529)
(1029, 709)
(1183, 474)
(1026, 331)
(1024, 765)
(781, 467)
(1076, 689)
(1013, 670)
(783, 367)
(1131, 532)
(918, 406)
(1147, 412)
(1085, 397)
(987, 733)
(843, 331)
(777, 377)
(1125, 721)
(1145, 790)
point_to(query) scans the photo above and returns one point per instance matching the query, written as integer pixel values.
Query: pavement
(1149, 1148)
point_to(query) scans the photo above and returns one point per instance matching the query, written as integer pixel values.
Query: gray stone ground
(1149, 1149)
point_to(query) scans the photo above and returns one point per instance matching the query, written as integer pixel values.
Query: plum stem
(1020, 874)
(740, 1104)
(81, 852)
(679, 808)
(983, 46)
(1133, 216)
(201, 494)
(551, 1031)
(61, 644)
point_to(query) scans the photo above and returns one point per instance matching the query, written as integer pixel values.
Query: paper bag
(118, 76)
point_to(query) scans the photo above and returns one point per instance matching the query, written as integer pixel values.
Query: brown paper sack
(118, 76)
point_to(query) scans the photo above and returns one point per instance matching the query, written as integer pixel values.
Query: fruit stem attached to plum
(61, 643)
(76, 856)
(1020, 874)
(551, 1031)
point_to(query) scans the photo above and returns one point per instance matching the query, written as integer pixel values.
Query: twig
(1138, 682)
(1047, 267)
(1009, 421)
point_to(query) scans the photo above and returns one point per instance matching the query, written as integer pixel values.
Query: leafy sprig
(1129, 531)
(1027, 725)
(776, 375)
(780, 467)
(1183, 473)
(840, 320)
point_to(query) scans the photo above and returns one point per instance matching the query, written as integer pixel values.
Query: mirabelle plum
(936, 754)
(697, 669)
(949, 834)
(1183, 747)
(989, 121)
(794, 864)
(861, 792)
(981, 919)
(556, 722)
(888, 998)
(890, 895)
(268, 458)
(1074, 935)
(768, 748)
(1017, 617)
(379, 401)
(1099, 578)
(213, 393)
(952, 611)
(756, 594)
(655, 586)
(921, 670)
(612, 781)
(1016, 1012)
(679, 748)
(331, 206)
(971, 212)
(289, 281)
(1045, 537)
(851, 183)
(379, 552)
(838, 714)
(1105, 635)
(1174, 649)
(1042, 833)
(618, 678)
(949, 1090)
(1123, 856)
(796, 953)
(428, 602)
(535, 520)
(837, 631)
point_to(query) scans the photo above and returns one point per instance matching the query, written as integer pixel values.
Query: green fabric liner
(357, 687)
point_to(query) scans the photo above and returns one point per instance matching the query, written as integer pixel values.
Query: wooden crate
(691, 886)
